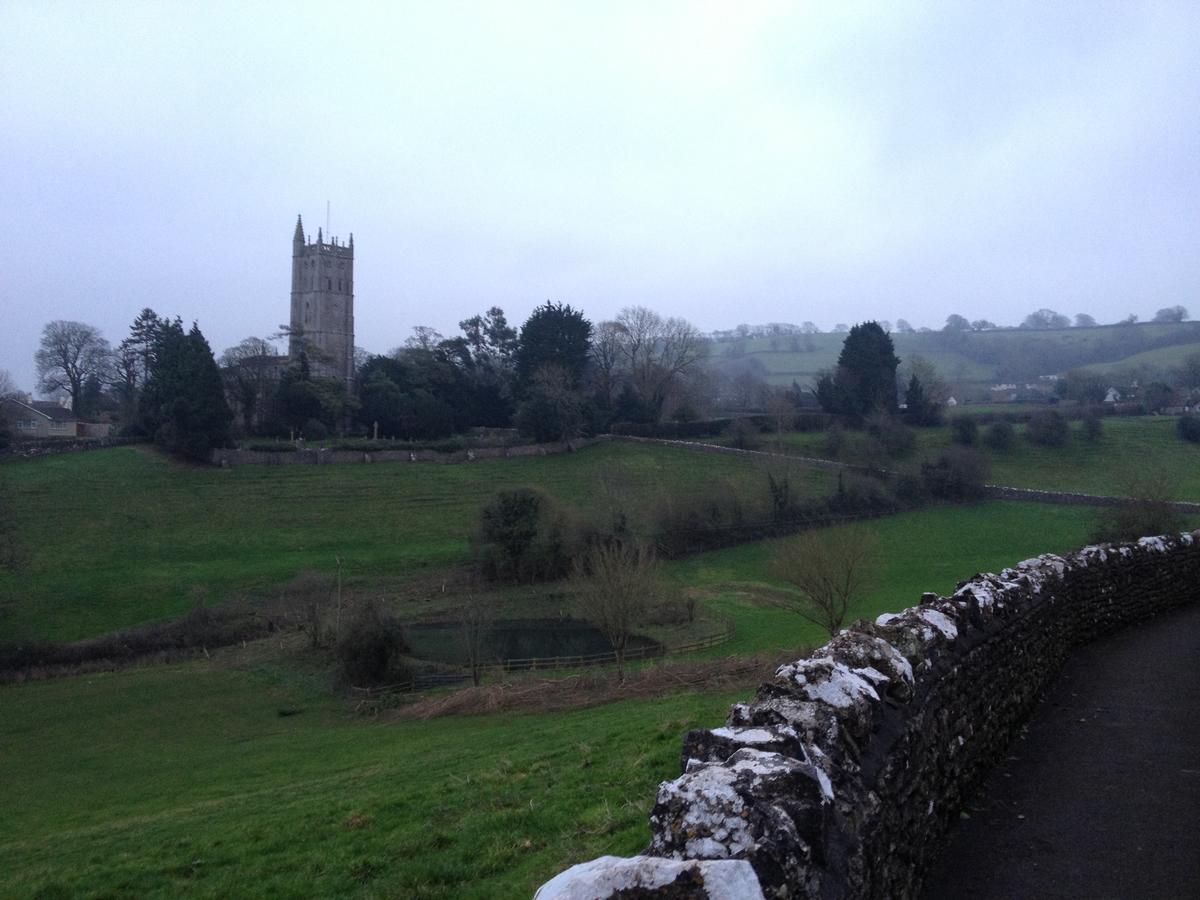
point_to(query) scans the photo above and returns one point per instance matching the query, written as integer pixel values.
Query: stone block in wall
(671, 879)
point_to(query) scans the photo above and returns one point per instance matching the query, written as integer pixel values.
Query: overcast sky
(738, 162)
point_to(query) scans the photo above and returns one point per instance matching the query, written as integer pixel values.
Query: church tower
(322, 323)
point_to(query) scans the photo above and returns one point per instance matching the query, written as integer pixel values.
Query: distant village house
(39, 419)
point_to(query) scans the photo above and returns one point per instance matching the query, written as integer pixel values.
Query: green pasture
(970, 358)
(1129, 449)
(242, 777)
(1156, 362)
(119, 537)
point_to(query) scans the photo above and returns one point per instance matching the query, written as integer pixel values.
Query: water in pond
(524, 639)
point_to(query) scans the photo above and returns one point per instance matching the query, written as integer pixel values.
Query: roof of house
(47, 409)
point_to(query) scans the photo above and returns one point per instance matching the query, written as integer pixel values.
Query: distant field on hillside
(975, 358)
(1161, 360)
(119, 537)
(213, 779)
(1129, 449)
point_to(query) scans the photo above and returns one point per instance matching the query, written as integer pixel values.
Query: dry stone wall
(318, 456)
(841, 776)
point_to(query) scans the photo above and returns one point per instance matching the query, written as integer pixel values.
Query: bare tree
(606, 359)
(831, 570)
(936, 389)
(476, 619)
(617, 584)
(657, 352)
(251, 371)
(780, 405)
(423, 338)
(71, 353)
(8, 387)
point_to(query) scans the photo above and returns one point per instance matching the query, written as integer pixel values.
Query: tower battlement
(322, 320)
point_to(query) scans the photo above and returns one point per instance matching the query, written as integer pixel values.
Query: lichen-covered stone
(764, 807)
(616, 878)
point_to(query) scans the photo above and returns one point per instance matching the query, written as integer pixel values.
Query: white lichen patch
(712, 812)
(754, 735)
(885, 618)
(1154, 544)
(608, 875)
(828, 681)
(940, 621)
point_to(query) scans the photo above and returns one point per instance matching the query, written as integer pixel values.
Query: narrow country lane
(1101, 797)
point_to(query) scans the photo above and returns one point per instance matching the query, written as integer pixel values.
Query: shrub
(1000, 436)
(1151, 513)
(371, 649)
(200, 628)
(1093, 425)
(744, 435)
(835, 441)
(1189, 428)
(525, 535)
(315, 430)
(960, 473)
(964, 430)
(672, 430)
(1047, 428)
(910, 489)
(693, 522)
(896, 438)
(857, 494)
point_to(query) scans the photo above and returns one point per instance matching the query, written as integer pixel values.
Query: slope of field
(1156, 363)
(973, 358)
(1130, 449)
(216, 779)
(120, 537)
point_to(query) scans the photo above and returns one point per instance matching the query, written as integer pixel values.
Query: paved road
(1101, 797)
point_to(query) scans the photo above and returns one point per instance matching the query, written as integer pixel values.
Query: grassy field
(238, 777)
(970, 358)
(1129, 449)
(120, 537)
(1159, 361)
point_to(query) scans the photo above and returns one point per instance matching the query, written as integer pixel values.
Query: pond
(520, 639)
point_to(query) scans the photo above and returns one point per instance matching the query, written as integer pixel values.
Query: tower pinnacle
(298, 237)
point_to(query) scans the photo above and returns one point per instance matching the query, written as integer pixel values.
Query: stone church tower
(322, 322)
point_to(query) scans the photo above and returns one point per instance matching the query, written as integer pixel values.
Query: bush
(525, 535)
(1093, 425)
(1189, 428)
(200, 628)
(858, 494)
(315, 430)
(964, 430)
(1047, 428)
(960, 473)
(896, 438)
(371, 650)
(672, 430)
(744, 435)
(835, 441)
(691, 522)
(1150, 514)
(1000, 436)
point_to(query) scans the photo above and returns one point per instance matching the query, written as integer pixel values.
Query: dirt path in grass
(1100, 797)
